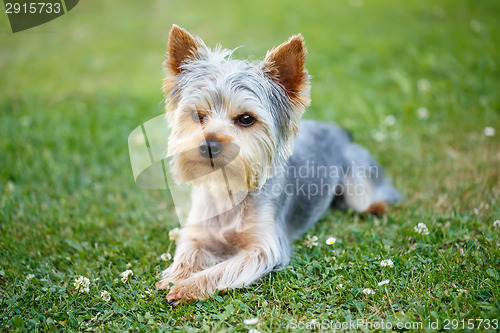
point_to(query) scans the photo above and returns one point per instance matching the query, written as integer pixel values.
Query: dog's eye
(245, 120)
(197, 117)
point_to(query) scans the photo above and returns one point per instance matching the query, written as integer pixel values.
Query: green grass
(73, 89)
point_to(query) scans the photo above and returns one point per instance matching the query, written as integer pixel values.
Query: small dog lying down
(237, 137)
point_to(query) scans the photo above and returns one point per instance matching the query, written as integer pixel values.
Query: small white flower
(340, 286)
(387, 263)
(496, 224)
(148, 293)
(29, 277)
(378, 135)
(128, 265)
(368, 291)
(253, 330)
(251, 321)
(127, 275)
(381, 283)
(331, 241)
(421, 229)
(423, 85)
(390, 120)
(422, 113)
(173, 234)
(166, 256)
(105, 296)
(82, 284)
(476, 26)
(489, 131)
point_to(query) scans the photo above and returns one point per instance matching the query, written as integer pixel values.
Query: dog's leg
(361, 196)
(236, 272)
(189, 258)
(358, 193)
(365, 188)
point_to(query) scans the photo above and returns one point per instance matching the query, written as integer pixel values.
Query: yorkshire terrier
(260, 177)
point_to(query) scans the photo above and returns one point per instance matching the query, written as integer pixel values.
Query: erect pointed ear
(285, 64)
(182, 48)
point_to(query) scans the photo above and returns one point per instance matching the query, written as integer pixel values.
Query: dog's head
(232, 114)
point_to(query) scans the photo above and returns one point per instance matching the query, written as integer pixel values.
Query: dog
(260, 176)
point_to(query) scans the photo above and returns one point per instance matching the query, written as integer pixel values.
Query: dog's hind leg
(365, 189)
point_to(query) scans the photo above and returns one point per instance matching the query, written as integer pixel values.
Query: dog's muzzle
(210, 149)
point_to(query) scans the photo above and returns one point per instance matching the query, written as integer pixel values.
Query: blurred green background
(416, 82)
(74, 88)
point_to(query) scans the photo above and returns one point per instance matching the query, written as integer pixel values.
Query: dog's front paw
(173, 274)
(164, 284)
(185, 292)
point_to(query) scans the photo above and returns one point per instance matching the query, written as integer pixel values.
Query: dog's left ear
(182, 48)
(285, 64)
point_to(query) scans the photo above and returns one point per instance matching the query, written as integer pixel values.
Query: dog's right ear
(182, 48)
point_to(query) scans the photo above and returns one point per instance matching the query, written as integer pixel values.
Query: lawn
(416, 82)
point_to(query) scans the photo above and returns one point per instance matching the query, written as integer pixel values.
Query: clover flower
(390, 120)
(378, 135)
(166, 256)
(381, 283)
(311, 241)
(82, 284)
(422, 113)
(423, 85)
(368, 291)
(387, 263)
(173, 234)
(421, 229)
(251, 321)
(489, 131)
(126, 275)
(105, 296)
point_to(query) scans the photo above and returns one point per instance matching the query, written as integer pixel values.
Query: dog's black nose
(210, 149)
